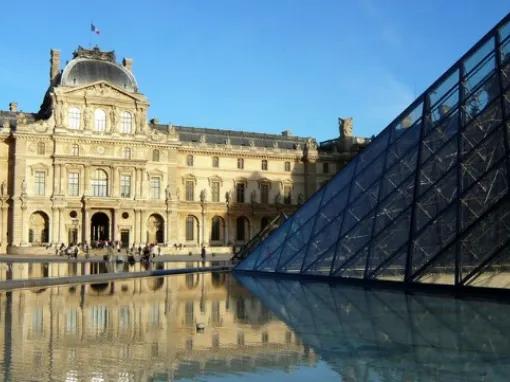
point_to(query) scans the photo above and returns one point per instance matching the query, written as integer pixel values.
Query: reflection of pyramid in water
(376, 335)
(427, 201)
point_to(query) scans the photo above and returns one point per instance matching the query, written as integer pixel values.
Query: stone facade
(90, 166)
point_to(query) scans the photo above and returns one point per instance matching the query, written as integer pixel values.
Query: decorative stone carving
(23, 187)
(167, 192)
(345, 127)
(203, 196)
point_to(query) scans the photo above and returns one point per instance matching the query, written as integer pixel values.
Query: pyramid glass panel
(427, 201)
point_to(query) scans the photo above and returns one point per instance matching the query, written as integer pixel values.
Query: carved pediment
(101, 89)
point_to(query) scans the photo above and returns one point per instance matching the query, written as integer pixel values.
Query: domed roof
(90, 66)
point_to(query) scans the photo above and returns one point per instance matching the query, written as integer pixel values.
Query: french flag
(94, 29)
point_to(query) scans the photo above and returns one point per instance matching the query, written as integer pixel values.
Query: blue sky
(253, 65)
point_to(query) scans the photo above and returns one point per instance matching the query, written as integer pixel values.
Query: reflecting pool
(381, 335)
(212, 327)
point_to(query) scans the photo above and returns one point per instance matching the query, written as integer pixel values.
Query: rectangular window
(240, 163)
(190, 188)
(155, 188)
(73, 184)
(287, 166)
(40, 182)
(264, 193)
(215, 191)
(125, 186)
(264, 164)
(240, 192)
(287, 195)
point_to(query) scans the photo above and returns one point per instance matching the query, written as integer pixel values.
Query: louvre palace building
(90, 165)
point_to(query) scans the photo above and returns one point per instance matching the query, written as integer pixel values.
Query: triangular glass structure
(427, 201)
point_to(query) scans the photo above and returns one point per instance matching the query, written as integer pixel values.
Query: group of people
(72, 250)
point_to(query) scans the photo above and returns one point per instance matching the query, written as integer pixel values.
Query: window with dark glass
(240, 188)
(264, 193)
(240, 163)
(287, 192)
(190, 228)
(190, 190)
(241, 228)
(216, 229)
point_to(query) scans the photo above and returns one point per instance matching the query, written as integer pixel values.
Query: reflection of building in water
(141, 328)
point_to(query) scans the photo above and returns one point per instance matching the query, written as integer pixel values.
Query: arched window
(217, 228)
(155, 155)
(126, 122)
(191, 228)
(74, 118)
(242, 229)
(40, 148)
(100, 120)
(264, 222)
(75, 150)
(100, 183)
(126, 153)
(189, 160)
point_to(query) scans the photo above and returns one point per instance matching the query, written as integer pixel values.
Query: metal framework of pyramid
(427, 201)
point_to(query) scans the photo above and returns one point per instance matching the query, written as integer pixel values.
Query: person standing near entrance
(203, 253)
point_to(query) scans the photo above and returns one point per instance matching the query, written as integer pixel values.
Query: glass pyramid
(427, 201)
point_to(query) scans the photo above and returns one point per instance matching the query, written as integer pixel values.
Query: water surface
(148, 329)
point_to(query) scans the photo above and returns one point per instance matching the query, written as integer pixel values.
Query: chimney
(54, 65)
(127, 63)
(13, 106)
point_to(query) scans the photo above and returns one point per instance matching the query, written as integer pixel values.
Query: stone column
(135, 230)
(60, 180)
(24, 225)
(61, 226)
(113, 192)
(85, 181)
(140, 227)
(167, 228)
(86, 226)
(114, 225)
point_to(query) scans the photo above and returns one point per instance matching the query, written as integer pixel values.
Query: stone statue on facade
(177, 193)
(228, 197)
(167, 192)
(23, 186)
(203, 196)
(345, 127)
(203, 139)
(3, 189)
(114, 117)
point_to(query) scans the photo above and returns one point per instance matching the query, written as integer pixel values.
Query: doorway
(124, 238)
(100, 227)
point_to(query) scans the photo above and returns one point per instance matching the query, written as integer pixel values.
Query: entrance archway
(155, 229)
(100, 227)
(38, 229)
